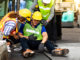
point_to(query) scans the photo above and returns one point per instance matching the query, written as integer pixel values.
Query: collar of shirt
(36, 25)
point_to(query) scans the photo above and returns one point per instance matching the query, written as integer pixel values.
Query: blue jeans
(31, 44)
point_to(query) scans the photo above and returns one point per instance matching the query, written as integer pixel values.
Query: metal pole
(13, 5)
(18, 5)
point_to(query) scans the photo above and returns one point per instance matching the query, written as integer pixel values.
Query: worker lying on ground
(8, 24)
(34, 36)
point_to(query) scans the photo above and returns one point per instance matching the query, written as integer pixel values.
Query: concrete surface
(70, 40)
(71, 34)
(74, 51)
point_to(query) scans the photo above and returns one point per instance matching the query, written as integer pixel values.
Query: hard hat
(37, 15)
(46, 1)
(25, 13)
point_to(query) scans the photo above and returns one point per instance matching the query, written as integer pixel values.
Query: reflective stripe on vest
(32, 31)
(45, 10)
(28, 30)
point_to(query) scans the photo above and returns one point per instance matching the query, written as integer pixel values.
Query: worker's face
(35, 22)
(21, 19)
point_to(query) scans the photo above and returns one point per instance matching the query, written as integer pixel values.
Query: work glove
(44, 22)
(32, 37)
(41, 48)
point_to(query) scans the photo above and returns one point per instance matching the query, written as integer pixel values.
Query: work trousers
(58, 25)
(52, 30)
(33, 44)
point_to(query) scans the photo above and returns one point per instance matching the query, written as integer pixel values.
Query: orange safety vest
(6, 19)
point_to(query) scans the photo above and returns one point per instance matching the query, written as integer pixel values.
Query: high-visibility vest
(29, 30)
(6, 19)
(45, 10)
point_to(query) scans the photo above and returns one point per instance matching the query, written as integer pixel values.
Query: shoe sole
(31, 54)
(26, 55)
(63, 52)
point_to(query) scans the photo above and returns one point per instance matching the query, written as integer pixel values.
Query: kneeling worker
(9, 25)
(34, 36)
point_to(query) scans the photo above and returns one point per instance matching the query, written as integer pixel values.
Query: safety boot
(60, 52)
(28, 53)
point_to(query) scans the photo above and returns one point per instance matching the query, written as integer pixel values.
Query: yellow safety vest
(6, 19)
(45, 10)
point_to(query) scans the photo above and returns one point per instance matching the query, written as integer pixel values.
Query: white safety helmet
(46, 1)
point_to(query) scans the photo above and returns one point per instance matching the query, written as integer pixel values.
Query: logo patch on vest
(32, 31)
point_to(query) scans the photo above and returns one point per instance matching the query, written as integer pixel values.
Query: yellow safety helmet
(37, 15)
(25, 13)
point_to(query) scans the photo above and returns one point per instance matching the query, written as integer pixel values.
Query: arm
(9, 26)
(45, 37)
(44, 34)
(51, 14)
(22, 36)
(41, 45)
(33, 6)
